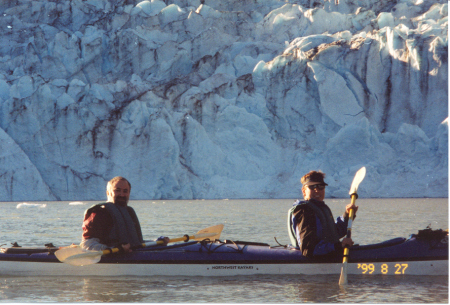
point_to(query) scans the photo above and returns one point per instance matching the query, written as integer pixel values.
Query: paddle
(77, 256)
(359, 177)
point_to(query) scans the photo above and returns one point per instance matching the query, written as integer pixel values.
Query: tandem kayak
(425, 253)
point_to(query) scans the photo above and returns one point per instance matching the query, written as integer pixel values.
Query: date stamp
(383, 268)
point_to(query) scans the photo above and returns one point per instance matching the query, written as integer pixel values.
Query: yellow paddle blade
(217, 230)
(210, 232)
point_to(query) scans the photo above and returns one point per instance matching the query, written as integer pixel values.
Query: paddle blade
(210, 232)
(63, 253)
(77, 256)
(84, 259)
(359, 177)
(343, 279)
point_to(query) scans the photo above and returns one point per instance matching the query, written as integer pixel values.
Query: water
(38, 223)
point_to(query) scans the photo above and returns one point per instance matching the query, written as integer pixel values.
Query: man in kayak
(114, 223)
(311, 224)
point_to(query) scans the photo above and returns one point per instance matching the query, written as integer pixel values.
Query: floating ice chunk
(77, 203)
(31, 205)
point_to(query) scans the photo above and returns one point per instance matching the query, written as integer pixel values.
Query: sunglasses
(317, 186)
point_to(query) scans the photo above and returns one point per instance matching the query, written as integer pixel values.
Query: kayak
(425, 253)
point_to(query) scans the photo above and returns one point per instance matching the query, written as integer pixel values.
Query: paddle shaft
(349, 227)
(359, 177)
(117, 249)
(185, 238)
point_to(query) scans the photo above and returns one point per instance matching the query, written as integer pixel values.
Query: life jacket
(329, 232)
(126, 226)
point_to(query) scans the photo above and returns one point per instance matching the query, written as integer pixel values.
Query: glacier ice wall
(222, 99)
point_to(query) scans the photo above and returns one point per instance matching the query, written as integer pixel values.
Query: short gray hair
(115, 179)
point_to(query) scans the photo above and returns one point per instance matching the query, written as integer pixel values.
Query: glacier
(209, 99)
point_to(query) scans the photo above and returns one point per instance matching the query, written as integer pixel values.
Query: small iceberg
(76, 203)
(25, 205)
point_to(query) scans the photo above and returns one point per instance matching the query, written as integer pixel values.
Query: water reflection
(116, 290)
(267, 289)
(238, 289)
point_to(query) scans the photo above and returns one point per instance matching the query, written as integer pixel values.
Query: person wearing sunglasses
(311, 225)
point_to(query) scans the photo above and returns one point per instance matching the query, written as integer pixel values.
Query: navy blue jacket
(313, 230)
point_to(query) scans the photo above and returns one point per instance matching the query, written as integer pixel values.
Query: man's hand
(166, 240)
(126, 248)
(347, 242)
(350, 206)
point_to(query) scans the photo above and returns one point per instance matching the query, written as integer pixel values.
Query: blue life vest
(327, 224)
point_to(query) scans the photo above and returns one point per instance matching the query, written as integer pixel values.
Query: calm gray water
(38, 223)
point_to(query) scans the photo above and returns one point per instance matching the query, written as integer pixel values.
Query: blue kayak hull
(399, 256)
